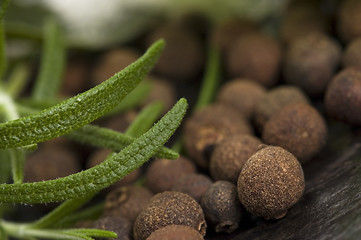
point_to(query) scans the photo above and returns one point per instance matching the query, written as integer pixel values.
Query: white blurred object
(94, 23)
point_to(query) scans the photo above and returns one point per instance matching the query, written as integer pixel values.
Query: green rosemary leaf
(91, 232)
(102, 137)
(50, 234)
(17, 157)
(145, 119)
(78, 110)
(211, 78)
(3, 235)
(25, 231)
(103, 175)
(52, 62)
(90, 213)
(29, 106)
(107, 138)
(61, 212)
(17, 80)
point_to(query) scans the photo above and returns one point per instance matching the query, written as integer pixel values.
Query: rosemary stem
(210, 80)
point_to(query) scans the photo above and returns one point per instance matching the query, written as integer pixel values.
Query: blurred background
(94, 24)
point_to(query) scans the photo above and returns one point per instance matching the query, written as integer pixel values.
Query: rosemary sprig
(17, 156)
(63, 210)
(17, 80)
(102, 137)
(107, 138)
(103, 175)
(52, 62)
(79, 110)
(210, 80)
(145, 119)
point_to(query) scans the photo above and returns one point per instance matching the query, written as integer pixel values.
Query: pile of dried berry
(243, 153)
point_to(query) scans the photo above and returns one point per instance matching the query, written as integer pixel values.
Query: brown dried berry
(242, 94)
(300, 19)
(112, 62)
(118, 224)
(275, 100)
(311, 61)
(348, 20)
(255, 56)
(227, 32)
(352, 55)
(209, 126)
(162, 173)
(270, 183)
(182, 58)
(175, 232)
(221, 206)
(343, 97)
(195, 185)
(127, 201)
(298, 128)
(169, 208)
(230, 155)
(50, 163)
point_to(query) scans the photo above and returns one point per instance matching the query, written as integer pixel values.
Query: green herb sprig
(25, 125)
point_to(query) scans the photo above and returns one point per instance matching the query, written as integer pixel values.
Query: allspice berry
(118, 224)
(224, 34)
(348, 20)
(352, 54)
(270, 183)
(242, 94)
(127, 201)
(343, 97)
(162, 173)
(195, 185)
(310, 62)
(230, 155)
(112, 62)
(209, 126)
(175, 232)
(183, 56)
(221, 206)
(169, 208)
(275, 99)
(299, 129)
(301, 18)
(255, 56)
